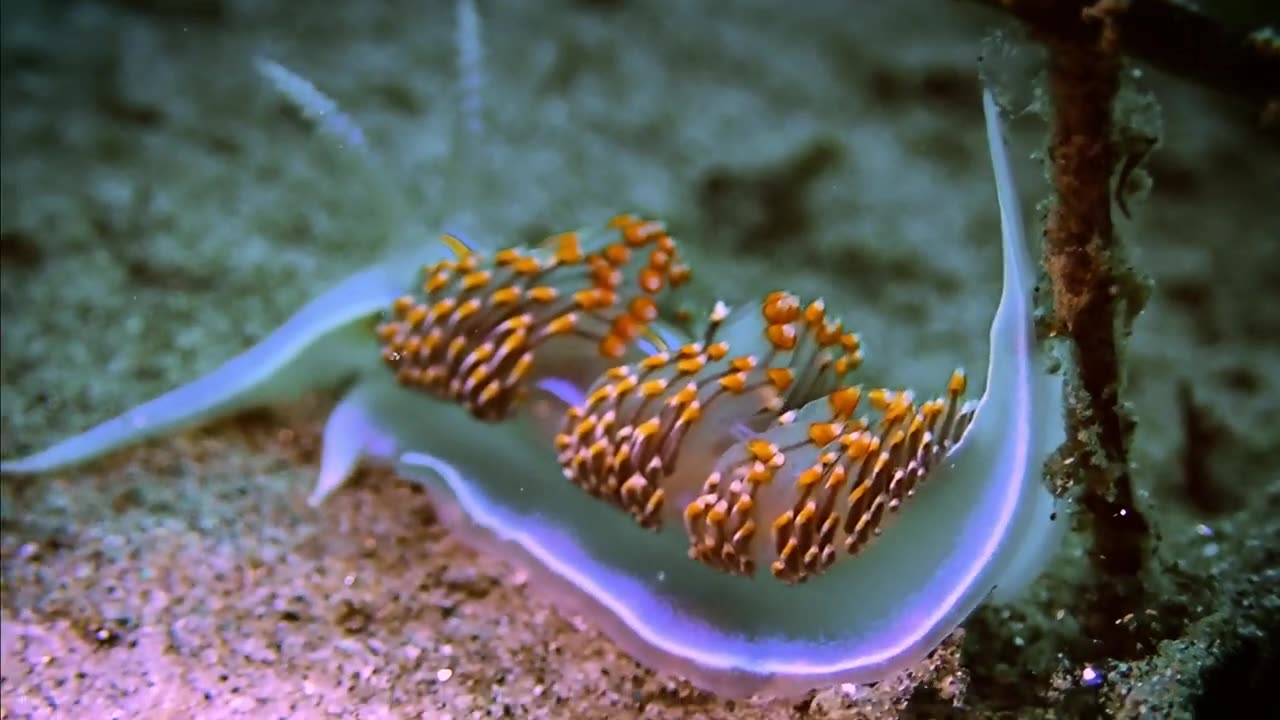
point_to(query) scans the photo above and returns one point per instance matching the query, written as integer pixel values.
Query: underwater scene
(639, 359)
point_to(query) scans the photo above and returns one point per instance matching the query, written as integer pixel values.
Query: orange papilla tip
(436, 282)
(931, 410)
(593, 298)
(809, 477)
(403, 303)
(717, 351)
(691, 365)
(474, 280)
(482, 352)
(617, 254)
(562, 325)
(783, 520)
(858, 491)
(477, 375)
(780, 378)
(601, 394)
(650, 280)
(411, 345)
(679, 274)
(456, 346)
(744, 363)
(735, 382)
(686, 396)
(606, 276)
(623, 220)
(526, 266)
(760, 474)
(513, 342)
(625, 327)
(489, 393)
(690, 350)
(900, 408)
(823, 434)
(542, 294)
(659, 259)
(625, 385)
(896, 439)
(690, 414)
(837, 476)
(860, 445)
(612, 347)
(443, 307)
(520, 369)
(653, 388)
(829, 333)
(655, 361)
(431, 341)
(508, 256)
(643, 309)
(641, 232)
(958, 382)
(468, 308)
(770, 307)
(781, 307)
(761, 449)
(782, 337)
(568, 248)
(416, 315)
(815, 313)
(844, 402)
(522, 321)
(880, 398)
(505, 296)
(648, 428)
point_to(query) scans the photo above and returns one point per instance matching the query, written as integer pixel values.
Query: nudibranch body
(537, 392)
(760, 560)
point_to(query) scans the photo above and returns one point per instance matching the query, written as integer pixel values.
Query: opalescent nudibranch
(538, 394)
(773, 568)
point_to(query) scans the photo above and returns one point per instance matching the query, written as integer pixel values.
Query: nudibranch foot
(324, 344)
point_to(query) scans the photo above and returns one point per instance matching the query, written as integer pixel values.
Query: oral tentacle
(320, 347)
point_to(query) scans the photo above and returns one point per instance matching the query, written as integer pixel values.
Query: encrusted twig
(1178, 39)
(1092, 289)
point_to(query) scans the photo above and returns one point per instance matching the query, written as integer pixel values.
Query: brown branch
(1090, 290)
(1175, 38)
